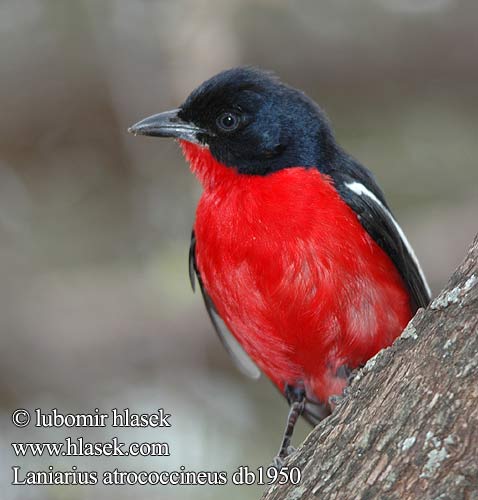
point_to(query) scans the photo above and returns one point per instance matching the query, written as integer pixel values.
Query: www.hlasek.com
(79, 447)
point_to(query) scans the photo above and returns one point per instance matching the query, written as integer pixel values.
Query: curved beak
(167, 124)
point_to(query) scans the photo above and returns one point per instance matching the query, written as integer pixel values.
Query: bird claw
(335, 401)
(352, 375)
(277, 462)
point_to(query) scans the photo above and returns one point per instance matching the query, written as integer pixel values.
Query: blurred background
(96, 308)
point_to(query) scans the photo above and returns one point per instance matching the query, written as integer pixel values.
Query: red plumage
(293, 274)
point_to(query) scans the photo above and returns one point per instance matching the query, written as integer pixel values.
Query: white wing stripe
(361, 190)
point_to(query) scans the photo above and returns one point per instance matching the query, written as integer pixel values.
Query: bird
(304, 270)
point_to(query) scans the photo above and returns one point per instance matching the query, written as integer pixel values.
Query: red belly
(295, 277)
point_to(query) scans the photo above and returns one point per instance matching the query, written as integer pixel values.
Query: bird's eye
(228, 121)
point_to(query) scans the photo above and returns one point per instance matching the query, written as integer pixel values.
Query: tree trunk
(408, 425)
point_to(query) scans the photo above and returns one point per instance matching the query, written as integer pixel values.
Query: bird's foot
(352, 375)
(349, 375)
(335, 401)
(279, 460)
(296, 398)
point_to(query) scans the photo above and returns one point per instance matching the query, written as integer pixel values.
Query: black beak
(167, 124)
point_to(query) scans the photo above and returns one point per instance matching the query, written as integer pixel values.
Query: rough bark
(408, 425)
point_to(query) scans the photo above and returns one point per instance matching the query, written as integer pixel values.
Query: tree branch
(408, 425)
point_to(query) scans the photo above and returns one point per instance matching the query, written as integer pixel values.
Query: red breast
(292, 272)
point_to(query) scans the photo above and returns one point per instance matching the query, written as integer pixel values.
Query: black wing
(237, 353)
(358, 188)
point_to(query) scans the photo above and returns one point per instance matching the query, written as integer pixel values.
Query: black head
(249, 120)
